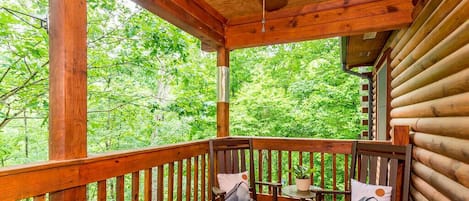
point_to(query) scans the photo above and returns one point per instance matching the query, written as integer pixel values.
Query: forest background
(150, 84)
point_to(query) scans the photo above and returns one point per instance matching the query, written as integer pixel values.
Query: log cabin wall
(430, 93)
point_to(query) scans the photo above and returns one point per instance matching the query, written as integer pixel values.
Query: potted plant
(302, 175)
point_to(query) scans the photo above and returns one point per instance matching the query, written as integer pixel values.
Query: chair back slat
(379, 164)
(364, 160)
(243, 160)
(235, 157)
(383, 171)
(393, 176)
(228, 162)
(220, 162)
(373, 169)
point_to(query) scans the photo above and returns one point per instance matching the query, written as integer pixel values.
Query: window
(382, 107)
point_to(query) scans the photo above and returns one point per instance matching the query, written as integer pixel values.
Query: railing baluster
(159, 184)
(135, 185)
(202, 178)
(300, 158)
(346, 175)
(179, 189)
(289, 168)
(346, 169)
(311, 165)
(171, 181)
(269, 168)
(39, 198)
(209, 183)
(196, 178)
(334, 175)
(120, 188)
(147, 184)
(322, 170)
(260, 163)
(102, 190)
(188, 178)
(279, 168)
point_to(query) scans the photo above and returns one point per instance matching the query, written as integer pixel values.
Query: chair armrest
(320, 193)
(273, 184)
(331, 192)
(275, 188)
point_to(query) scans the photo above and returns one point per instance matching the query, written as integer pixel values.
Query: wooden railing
(330, 159)
(107, 175)
(175, 172)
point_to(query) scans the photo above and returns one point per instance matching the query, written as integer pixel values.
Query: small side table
(292, 192)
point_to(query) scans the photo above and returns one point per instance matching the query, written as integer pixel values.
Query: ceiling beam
(189, 17)
(369, 17)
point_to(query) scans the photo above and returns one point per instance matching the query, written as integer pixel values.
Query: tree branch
(24, 85)
(8, 69)
(7, 119)
(105, 35)
(5, 74)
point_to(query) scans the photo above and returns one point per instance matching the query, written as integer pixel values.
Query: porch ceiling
(235, 24)
(363, 49)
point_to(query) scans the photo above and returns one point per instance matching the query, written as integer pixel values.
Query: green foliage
(302, 172)
(150, 84)
(294, 90)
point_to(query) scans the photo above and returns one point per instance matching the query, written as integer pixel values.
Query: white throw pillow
(368, 192)
(226, 182)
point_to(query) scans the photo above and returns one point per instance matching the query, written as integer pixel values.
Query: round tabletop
(291, 191)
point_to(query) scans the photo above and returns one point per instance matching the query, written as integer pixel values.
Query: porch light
(223, 83)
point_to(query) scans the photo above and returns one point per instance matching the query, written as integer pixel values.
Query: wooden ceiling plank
(179, 17)
(362, 52)
(295, 11)
(328, 16)
(204, 5)
(207, 48)
(202, 15)
(371, 17)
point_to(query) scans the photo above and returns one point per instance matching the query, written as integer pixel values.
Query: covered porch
(385, 34)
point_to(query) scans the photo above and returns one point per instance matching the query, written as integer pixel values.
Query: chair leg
(274, 194)
(318, 197)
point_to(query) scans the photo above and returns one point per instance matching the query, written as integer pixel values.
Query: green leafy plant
(302, 172)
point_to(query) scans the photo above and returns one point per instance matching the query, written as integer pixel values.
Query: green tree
(150, 84)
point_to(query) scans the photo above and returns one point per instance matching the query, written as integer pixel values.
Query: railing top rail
(337, 146)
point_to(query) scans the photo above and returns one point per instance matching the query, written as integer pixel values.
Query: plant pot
(303, 184)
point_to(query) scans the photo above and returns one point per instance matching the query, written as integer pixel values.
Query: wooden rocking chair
(378, 164)
(230, 156)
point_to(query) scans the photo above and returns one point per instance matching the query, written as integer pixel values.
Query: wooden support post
(400, 137)
(67, 92)
(223, 90)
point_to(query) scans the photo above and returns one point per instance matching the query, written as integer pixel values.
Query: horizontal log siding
(430, 90)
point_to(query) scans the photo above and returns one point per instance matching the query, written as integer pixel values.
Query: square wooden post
(223, 90)
(67, 86)
(400, 137)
